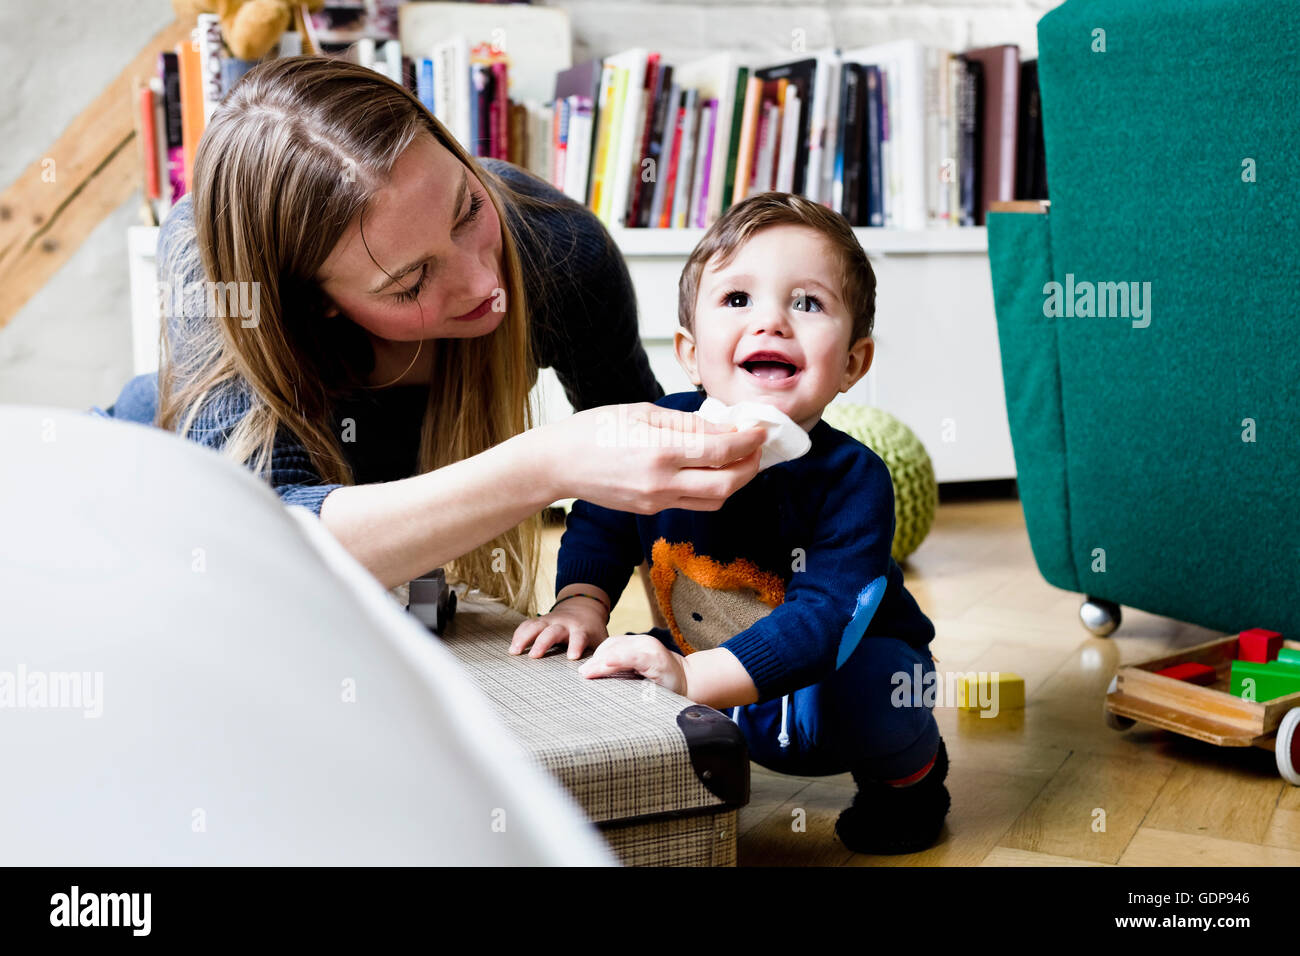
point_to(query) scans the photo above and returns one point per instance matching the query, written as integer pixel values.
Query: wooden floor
(1028, 785)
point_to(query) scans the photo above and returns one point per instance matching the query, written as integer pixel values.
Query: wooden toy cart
(1209, 713)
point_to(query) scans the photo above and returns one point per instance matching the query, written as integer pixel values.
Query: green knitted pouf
(916, 495)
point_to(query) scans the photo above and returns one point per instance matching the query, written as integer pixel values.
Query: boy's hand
(579, 622)
(640, 653)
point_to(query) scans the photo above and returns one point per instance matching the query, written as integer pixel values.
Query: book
(849, 160)
(789, 148)
(704, 171)
(733, 139)
(207, 34)
(577, 163)
(560, 142)
(173, 132)
(956, 70)
(1031, 159)
(481, 83)
(501, 110)
(891, 173)
(820, 109)
(968, 125)
(191, 103)
(800, 74)
(161, 159)
(604, 120)
(424, 84)
(748, 138)
(146, 141)
(1001, 66)
(765, 151)
(674, 157)
(874, 213)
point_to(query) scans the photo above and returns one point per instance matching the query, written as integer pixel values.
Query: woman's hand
(579, 622)
(643, 458)
(640, 653)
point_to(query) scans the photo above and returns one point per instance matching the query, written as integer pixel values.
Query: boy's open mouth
(770, 366)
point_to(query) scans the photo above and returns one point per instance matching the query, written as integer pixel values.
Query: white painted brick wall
(70, 345)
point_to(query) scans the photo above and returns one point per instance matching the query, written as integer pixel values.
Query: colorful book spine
(191, 94)
(559, 141)
(706, 168)
(146, 138)
(424, 84)
(160, 158)
(638, 181)
(208, 34)
(670, 181)
(501, 90)
(604, 130)
(173, 133)
(733, 141)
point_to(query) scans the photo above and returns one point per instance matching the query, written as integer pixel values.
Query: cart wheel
(1115, 721)
(1099, 616)
(1118, 721)
(1288, 747)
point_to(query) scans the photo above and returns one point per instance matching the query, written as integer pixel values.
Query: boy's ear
(684, 346)
(860, 355)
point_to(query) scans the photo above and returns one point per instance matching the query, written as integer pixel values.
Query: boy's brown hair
(739, 223)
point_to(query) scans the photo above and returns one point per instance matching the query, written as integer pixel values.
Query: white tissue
(785, 439)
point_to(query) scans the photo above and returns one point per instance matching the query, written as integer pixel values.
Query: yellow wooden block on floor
(998, 690)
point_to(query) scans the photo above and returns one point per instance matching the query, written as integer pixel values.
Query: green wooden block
(1289, 655)
(1273, 679)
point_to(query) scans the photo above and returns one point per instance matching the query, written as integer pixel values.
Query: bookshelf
(937, 366)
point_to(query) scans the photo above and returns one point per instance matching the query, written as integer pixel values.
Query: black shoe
(891, 820)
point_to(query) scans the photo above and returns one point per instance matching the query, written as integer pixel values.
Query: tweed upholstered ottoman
(662, 777)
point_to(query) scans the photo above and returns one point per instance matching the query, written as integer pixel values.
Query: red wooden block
(1258, 645)
(1191, 672)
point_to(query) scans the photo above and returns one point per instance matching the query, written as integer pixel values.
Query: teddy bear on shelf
(251, 28)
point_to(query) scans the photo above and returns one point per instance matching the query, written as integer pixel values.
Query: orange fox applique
(706, 601)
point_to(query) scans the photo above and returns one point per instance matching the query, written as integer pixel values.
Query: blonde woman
(393, 298)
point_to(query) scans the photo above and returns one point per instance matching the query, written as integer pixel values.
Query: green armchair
(1149, 317)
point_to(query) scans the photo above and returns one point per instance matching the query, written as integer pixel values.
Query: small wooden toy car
(432, 601)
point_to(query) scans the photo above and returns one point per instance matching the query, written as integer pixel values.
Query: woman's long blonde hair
(291, 157)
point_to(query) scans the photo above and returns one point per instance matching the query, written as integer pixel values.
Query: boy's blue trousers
(849, 720)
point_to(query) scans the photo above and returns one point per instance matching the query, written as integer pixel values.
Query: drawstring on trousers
(783, 738)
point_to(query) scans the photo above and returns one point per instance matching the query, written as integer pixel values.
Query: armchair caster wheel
(1099, 616)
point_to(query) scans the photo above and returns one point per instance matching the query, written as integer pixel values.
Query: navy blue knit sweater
(823, 523)
(583, 321)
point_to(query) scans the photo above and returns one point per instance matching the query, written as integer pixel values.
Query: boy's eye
(807, 303)
(736, 300)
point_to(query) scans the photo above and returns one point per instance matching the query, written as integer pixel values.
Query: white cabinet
(937, 365)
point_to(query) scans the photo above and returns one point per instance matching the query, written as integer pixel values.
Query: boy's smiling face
(770, 326)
